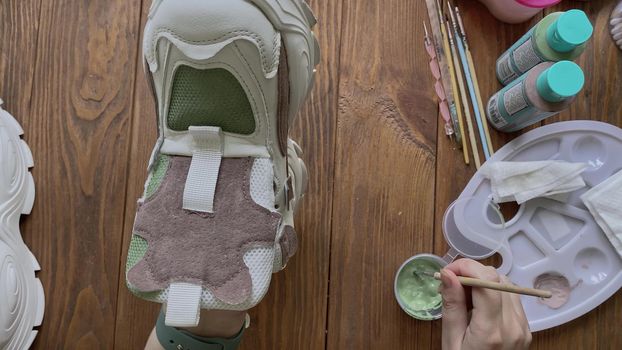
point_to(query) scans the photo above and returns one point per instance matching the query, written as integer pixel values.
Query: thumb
(455, 316)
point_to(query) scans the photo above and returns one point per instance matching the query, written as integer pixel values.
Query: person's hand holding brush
(496, 321)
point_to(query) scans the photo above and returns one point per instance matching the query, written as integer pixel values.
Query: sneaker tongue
(209, 97)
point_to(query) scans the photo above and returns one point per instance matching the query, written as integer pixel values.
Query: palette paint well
(558, 285)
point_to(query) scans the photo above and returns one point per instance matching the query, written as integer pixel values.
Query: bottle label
(494, 115)
(525, 57)
(505, 73)
(514, 99)
(518, 59)
(510, 108)
(534, 119)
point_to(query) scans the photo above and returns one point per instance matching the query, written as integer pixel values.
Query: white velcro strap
(183, 305)
(200, 185)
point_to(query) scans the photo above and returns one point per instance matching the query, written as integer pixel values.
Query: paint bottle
(544, 91)
(557, 37)
(516, 11)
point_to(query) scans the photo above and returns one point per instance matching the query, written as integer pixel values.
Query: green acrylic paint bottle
(557, 37)
(544, 91)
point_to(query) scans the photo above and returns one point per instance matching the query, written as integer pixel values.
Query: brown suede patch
(282, 113)
(202, 248)
(288, 243)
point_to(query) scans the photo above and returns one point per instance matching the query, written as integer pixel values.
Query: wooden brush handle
(510, 288)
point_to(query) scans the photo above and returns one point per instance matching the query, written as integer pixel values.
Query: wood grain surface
(382, 171)
(77, 126)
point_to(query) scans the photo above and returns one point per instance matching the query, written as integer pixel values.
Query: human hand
(497, 320)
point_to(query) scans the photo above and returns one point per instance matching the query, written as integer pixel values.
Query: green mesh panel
(152, 296)
(209, 97)
(157, 175)
(138, 245)
(138, 248)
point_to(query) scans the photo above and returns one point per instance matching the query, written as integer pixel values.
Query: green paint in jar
(418, 294)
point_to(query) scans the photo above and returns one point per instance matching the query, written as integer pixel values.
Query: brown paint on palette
(556, 284)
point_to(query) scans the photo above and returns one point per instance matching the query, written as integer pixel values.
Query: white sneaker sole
(22, 301)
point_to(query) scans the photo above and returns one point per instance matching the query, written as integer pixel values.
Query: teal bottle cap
(561, 81)
(571, 29)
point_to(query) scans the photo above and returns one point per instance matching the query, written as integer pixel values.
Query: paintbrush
(454, 87)
(465, 102)
(475, 82)
(502, 287)
(442, 60)
(467, 74)
(438, 86)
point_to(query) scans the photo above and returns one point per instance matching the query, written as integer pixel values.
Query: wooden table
(382, 171)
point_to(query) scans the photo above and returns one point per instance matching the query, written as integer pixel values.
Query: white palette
(547, 236)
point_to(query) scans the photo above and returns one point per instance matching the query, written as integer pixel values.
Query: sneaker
(615, 24)
(217, 215)
(21, 293)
